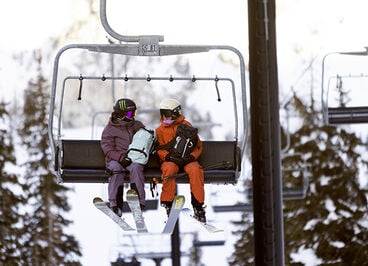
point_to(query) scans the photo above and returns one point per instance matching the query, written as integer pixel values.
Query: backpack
(184, 142)
(141, 146)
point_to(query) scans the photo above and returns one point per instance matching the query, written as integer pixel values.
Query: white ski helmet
(170, 107)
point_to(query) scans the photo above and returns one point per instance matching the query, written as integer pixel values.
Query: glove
(188, 159)
(125, 161)
(175, 159)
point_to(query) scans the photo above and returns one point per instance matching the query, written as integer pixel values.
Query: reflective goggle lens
(166, 113)
(130, 114)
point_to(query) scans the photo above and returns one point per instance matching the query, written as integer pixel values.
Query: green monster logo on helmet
(122, 105)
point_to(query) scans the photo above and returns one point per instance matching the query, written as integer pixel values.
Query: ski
(104, 207)
(209, 227)
(133, 202)
(176, 208)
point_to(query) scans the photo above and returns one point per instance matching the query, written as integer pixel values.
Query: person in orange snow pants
(172, 163)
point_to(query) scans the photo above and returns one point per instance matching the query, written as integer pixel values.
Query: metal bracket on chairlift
(148, 45)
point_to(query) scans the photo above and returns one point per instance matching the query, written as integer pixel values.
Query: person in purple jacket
(115, 140)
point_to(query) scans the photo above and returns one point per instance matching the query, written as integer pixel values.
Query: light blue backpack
(141, 147)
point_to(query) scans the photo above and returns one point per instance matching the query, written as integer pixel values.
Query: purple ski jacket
(116, 137)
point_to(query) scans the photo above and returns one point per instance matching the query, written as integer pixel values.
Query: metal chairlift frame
(299, 192)
(296, 193)
(148, 45)
(341, 115)
(293, 193)
(149, 78)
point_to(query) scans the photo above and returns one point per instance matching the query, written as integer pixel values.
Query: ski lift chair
(82, 161)
(341, 114)
(300, 174)
(296, 168)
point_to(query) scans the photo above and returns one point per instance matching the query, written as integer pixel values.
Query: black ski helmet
(125, 107)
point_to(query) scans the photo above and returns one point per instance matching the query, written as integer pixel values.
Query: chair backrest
(84, 159)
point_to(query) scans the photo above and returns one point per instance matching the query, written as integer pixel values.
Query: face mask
(168, 121)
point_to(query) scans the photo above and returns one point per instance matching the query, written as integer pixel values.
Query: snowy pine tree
(44, 241)
(10, 201)
(331, 222)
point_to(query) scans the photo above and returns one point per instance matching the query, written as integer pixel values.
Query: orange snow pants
(196, 180)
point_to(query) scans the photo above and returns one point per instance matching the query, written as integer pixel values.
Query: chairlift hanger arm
(113, 33)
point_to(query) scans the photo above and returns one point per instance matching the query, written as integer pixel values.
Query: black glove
(175, 159)
(125, 161)
(188, 159)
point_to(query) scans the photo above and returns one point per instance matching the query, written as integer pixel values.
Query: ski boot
(200, 213)
(118, 211)
(167, 205)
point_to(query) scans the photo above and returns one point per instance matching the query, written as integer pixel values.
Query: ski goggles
(130, 114)
(167, 113)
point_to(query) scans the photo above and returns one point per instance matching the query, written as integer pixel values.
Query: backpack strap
(138, 150)
(168, 145)
(172, 142)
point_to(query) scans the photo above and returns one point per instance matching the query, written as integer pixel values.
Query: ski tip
(178, 202)
(212, 229)
(180, 197)
(97, 200)
(132, 192)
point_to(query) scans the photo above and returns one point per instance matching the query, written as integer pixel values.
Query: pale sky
(305, 29)
(29, 24)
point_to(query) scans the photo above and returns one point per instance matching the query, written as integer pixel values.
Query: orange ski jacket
(165, 133)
